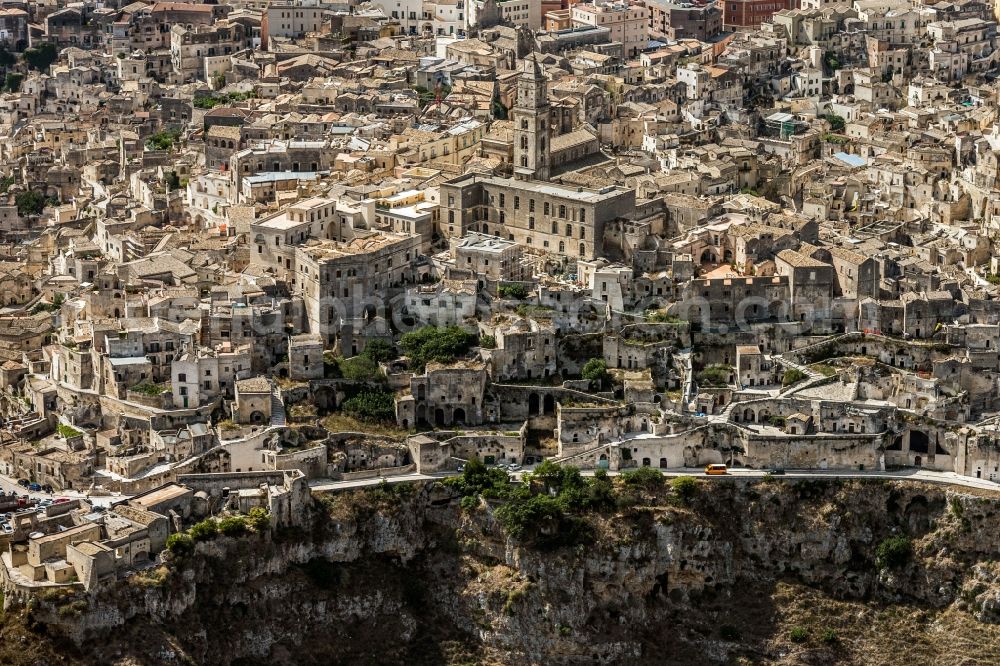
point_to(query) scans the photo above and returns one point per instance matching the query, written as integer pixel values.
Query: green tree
(837, 123)
(893, 552)
(206, 102)
(259, 519)
(205, 530)
(515, 291)
(497, 107)
(442, 345)
(233, 526)
(644, 477)
(379, 351)
(596, 371)
(831, 61)
(478, 479)
(163, 140)
(7, 59)
(358, 368)
(791, 376)
(553, 477)
(374, 405)
(685, 487)
(172, 180)
(180, 544)
(41, 56)
(29, 203)
(715, 375)
(12, 82)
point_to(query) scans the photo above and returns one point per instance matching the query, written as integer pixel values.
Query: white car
(6, 528)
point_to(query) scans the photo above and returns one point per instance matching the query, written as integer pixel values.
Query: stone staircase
(277, 407)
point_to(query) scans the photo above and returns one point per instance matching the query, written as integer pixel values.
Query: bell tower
(531, 123)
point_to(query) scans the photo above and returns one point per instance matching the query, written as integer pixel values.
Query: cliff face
(766, 572)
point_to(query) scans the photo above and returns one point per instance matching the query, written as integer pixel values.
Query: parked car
(6, 528)
(60, 500)
(514, 467)
(47, 488)
(44, 503)
(35, 487)
(23, 483)
(776, 471)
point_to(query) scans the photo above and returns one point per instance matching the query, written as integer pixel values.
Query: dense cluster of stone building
(756, 232)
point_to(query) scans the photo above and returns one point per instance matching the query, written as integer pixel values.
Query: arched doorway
(663, 463)
(458, 416)
(533, 404)
(917, 461)
(439, 417)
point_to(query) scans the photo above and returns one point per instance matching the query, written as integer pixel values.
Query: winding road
(924, 475)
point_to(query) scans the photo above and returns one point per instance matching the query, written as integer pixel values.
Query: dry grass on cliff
(872, 635)
(19, 646)
(340, 422)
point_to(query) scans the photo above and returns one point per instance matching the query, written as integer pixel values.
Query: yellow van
(715, 469)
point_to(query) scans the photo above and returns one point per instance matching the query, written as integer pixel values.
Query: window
(531, 205)
(517, 203)
(501, 200)
(182, 377)
(545, 208)
(562, 212)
